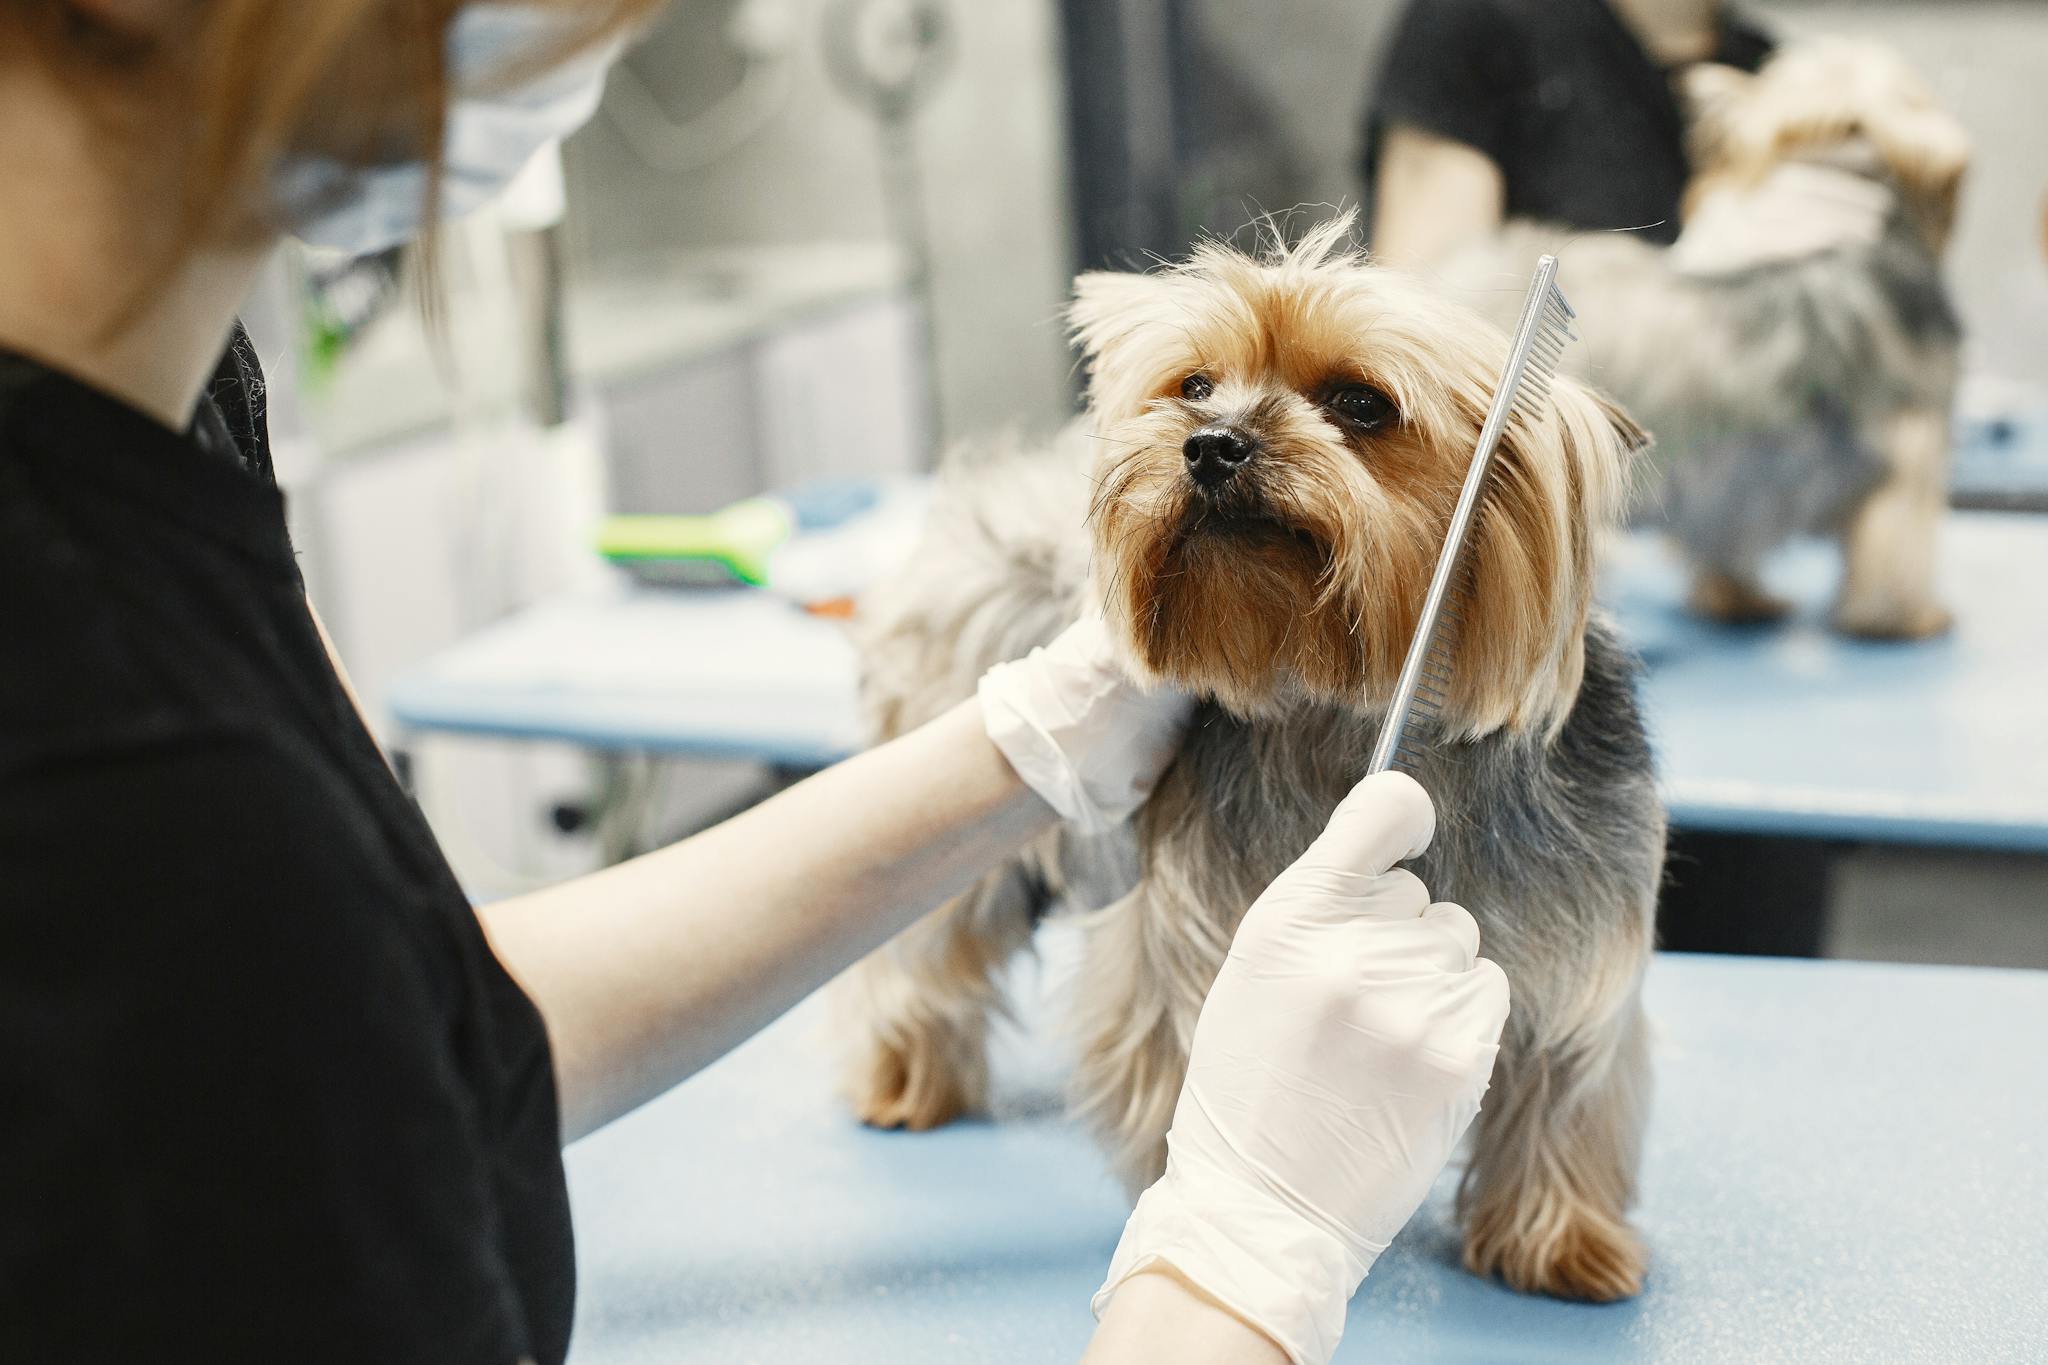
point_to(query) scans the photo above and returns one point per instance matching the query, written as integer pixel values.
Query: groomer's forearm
(1157, 1315)
(650, 970)
(1433, 195)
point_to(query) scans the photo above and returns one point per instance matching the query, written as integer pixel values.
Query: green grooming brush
(735, 541)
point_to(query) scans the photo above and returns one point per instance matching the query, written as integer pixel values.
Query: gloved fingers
(1438, 940)
(1087, 640)
(1386, 819)
(1078, 730)
(1314, 894)
(1396, 894)
(1090, 641)
(1456, 927)
(1490, 998)
(1469, 1007)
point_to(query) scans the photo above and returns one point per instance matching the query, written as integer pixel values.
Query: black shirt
(1560, 95)
(265, 1093)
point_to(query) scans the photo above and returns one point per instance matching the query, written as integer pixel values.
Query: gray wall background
(992, 151)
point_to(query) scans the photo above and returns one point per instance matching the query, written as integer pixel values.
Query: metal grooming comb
(1425, 682)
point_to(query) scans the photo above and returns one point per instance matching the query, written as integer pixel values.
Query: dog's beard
(1230, 598)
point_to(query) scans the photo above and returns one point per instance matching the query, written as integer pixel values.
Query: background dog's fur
(1809, 395)
(1549, 828)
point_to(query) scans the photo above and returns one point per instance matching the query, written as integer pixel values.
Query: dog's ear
(1707, 91)
(1559, 483)
(1706, 88)
(1927, 151)
(1106, 300)
(1115, 317)
(1631, 433)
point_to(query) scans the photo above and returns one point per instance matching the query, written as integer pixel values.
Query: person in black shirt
(1559, 110)
(274, 1091)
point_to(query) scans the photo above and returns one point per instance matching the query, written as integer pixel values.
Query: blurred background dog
(1255, 502)
(1820, 351)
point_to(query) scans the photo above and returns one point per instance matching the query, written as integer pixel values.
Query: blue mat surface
(1846, 1162)
(1793, 729)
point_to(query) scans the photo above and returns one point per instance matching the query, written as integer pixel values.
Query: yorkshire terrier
(1255, 501)
(1799, 380)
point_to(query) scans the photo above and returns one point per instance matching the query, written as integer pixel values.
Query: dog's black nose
(1214, 453)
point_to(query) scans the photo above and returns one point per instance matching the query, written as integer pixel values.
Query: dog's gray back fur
(1544, 842)
(1763, 387)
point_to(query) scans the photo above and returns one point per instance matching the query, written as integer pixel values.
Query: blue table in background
(704, 673)
(2001, 462)
(1791, 729)
(1846, 1162)
(1786, 730)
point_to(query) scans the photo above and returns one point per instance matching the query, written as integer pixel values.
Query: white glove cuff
(1280, 1272)
(1078, 731)
(1032, 748)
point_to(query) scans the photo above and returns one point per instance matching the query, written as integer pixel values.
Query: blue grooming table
(1846, 1162)
(2001, 462)
(707, 673)
(1791, 729)
(1785, 730)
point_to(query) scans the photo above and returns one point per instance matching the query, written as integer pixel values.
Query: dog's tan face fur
(1286, 551)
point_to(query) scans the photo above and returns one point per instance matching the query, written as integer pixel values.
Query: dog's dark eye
(1196, 387)
(1362, 406)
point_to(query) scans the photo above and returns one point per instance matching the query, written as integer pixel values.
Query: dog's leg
(1732, 599)
(917, 1009)
(1148, 962)
(1888, 544)
(1554, 1158)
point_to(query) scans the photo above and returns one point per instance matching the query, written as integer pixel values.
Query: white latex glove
(1080, 733)
(1339, 1058)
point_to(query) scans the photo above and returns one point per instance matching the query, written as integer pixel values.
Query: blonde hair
(247, 80)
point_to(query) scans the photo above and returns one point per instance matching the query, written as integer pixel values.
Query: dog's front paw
(1892, 621)
(912, 1085)
(1733, 602)
(1578, 1253)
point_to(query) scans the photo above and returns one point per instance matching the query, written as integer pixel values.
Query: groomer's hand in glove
(1340, 1056)
(1078, 730)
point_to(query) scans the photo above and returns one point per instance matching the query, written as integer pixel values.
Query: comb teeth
(1546, 348)
(1524, 393)
(1432, 687)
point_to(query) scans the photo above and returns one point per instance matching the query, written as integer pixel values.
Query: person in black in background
(1561, 110)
